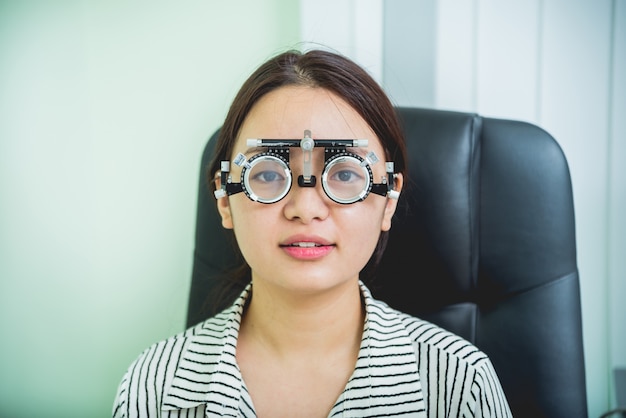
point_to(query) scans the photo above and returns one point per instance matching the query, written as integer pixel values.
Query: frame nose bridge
(297, 161)
(297, 167)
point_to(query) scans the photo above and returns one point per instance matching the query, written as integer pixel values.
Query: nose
(306, 204)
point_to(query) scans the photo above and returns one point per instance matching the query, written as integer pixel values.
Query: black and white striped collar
(208, 373)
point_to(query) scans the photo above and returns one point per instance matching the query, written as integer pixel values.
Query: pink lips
(306, 247)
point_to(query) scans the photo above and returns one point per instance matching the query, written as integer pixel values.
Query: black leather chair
(483, 244)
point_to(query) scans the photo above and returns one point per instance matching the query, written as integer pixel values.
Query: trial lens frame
(334, 149)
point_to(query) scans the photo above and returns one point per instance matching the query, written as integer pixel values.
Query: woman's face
(306, 242)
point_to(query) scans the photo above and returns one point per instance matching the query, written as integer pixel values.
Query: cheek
(245, 215)
(253, 223)
(364, 225)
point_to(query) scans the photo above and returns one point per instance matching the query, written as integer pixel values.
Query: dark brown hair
(332, 72)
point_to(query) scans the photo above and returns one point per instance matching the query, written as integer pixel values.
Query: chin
(319, 283)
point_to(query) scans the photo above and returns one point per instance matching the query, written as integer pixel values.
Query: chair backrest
(483, 244)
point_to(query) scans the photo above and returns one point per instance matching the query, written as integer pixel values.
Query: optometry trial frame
(347, 177)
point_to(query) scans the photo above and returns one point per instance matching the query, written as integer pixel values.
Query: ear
(390, 206)
(223, 205)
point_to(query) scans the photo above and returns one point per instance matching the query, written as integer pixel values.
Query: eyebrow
(255, 150)
(358, 150)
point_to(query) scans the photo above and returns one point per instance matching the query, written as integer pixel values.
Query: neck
(288, 324)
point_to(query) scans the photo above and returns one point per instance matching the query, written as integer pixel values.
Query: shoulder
(168, 374)
(452, 370)
(438, 352)
(168, 350)
(150, 375)
(426, 335)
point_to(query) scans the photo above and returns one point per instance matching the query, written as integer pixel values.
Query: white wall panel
(507, 59)
(617, 193)
(327, 23)
(409, 52)
(574, 108)
(351, 27)
(367, 36)
(455, 36)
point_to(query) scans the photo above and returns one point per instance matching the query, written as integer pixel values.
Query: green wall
(104, 111)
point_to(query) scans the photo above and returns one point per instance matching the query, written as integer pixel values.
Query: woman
(298, 179)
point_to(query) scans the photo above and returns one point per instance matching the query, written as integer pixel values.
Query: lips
(307, 247)
(301, 240)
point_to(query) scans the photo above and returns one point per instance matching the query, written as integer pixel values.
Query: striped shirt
(406, 367)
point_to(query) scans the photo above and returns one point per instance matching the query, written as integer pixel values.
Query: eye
(345, 176)
(268, 176)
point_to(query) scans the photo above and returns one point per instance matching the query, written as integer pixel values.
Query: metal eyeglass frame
(334, 150)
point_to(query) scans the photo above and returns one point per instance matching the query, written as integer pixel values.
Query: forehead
(288, 111)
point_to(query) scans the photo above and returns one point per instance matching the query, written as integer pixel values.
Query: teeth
(304, 244)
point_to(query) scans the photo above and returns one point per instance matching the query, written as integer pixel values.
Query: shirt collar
(208, 373)
(387, 351)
